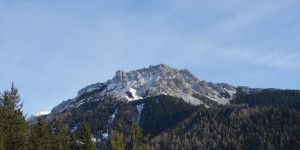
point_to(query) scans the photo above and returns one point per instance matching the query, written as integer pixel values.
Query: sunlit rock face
(152, 81)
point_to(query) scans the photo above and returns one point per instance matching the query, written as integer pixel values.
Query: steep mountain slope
(153, 114)
(233, 127)
(155, 80)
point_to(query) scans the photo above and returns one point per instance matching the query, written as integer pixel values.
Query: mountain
(33, 117)
(172, 106)
(153, 81)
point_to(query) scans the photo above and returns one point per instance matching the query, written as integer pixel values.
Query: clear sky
(51, 49)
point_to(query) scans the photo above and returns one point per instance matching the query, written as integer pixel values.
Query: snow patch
(134, 94)
(105, 136)
(73, 129)
(37, 114)
(91, 89)
(140, 109)
(119, 90)
(79, 104)
(112, 117)
(231, 92)
(222, 100)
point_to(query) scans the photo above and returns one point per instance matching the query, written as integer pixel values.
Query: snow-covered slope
(33, 117)
(42, 113)
(152, 81)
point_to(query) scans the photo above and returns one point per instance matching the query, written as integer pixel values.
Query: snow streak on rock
(140, 109)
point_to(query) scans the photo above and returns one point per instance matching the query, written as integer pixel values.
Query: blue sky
(51, 49)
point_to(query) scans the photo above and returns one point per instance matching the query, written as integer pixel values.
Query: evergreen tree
(85, 138)
(14, 124)
(117, 141)
(73, 142)
(137, 137)
(52, 138)
(39, 136)
(61, 138)
(1, 131)
(32, 138)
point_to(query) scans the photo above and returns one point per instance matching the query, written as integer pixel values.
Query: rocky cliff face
(155, 80)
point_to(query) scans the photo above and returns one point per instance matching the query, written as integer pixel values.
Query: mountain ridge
(153, 81)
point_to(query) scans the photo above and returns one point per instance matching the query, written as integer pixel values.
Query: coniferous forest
(269, 119)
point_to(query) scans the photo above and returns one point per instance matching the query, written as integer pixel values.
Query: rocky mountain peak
(120, 76)
(152, 81)
(161, 68)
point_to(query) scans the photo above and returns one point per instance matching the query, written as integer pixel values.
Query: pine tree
(31, 138)
(137, 137)
(73, 142)
(14, 124)
(39, 136)
(52, 138)
(85, 138)
(117, 141)
(61, 138)
(1, 131)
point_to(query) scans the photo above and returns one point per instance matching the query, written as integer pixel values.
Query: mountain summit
(153, 81)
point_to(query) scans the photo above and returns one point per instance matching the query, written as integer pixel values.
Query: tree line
(53, 134)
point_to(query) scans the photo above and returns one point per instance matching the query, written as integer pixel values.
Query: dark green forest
(269, 119)
(270, 97)
(233, 127)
